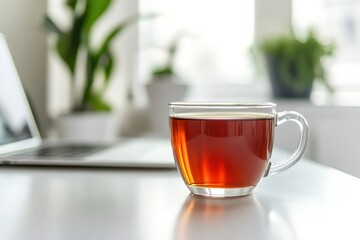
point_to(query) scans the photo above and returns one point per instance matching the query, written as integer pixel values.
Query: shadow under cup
(222, 150)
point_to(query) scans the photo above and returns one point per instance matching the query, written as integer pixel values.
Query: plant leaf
(69, 43)
(71, 4)
(93, 10)
(107, 64)
(98, 103)
(51, 26)
(163, 71)
(104, 47)
(119, 29)
(62, 47)
(300, 59)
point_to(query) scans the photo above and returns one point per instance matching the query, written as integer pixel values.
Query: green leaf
(69, 43)
(71, 3)
(89, 81)
(119, 29)
(108, 40)
(106, 63)
(51, 26)
(93, 10)
(163, 71)
(300, 59)
(113, 33)
(64, 48)
(98, 103)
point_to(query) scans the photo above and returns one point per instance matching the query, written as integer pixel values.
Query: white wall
(20, 22)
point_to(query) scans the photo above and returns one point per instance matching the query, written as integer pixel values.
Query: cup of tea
(224, 149)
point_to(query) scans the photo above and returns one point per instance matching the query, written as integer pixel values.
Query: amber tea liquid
(222, 150)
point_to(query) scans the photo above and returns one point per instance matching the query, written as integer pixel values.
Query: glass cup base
(221, 192)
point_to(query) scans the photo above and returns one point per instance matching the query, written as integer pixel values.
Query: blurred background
(122, 61)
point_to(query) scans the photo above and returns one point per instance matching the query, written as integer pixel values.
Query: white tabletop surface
(309, 201)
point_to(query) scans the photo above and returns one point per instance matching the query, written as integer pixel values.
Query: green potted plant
(166, 71)
(74, 43)
(163, 88)
(73, 47)
(294, 63)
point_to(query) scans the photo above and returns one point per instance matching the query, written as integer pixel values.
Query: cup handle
(279, 166)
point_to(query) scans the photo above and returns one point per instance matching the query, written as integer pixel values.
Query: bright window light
(214, 39)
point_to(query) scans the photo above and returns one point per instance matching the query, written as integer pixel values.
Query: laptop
(21, 144)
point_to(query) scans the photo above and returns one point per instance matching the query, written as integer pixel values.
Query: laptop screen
(15, 115)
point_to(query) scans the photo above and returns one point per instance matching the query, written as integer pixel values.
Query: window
(213, 39)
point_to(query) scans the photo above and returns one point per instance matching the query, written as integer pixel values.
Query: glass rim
(223, 104)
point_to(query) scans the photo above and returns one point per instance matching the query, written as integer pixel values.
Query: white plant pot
(88, 127)
(160, 93)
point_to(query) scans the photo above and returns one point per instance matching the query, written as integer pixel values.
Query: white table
(309, 201)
